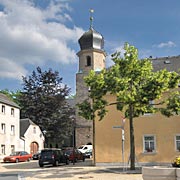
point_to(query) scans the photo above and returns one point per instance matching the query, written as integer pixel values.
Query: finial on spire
(91, 17)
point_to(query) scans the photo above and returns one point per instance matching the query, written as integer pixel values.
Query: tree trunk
(132, 145)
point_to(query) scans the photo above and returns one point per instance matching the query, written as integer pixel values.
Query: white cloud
(168, 44)
(10, 69)
(31, 35)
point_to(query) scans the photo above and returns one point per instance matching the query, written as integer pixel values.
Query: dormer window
(167, 62)
(88, 58)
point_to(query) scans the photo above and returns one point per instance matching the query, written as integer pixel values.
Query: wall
(109, 140)
(8, 138)
(30, 137)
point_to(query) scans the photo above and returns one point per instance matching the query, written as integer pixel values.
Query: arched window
(88, 58)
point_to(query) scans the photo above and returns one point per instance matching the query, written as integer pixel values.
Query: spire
(91, 39)
(91, 17)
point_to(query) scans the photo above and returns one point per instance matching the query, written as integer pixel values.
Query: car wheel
(83, 159)
(56, 163)
(17, 160)
(40, 165)
(28, 159)
(67, 161)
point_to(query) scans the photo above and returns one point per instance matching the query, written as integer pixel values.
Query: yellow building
(157, 138)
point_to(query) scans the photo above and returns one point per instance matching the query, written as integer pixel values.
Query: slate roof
(24, 125)
(91, 39)
(5, 100)
(170, 63)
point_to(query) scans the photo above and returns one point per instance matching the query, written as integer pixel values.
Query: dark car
(74, 155)
(36, 156)
(52, 156)
(18, 156)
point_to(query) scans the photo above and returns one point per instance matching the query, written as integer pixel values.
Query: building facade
(157, 138)
(16, 134)
(31, 136)
(91, 57)
(9, 126)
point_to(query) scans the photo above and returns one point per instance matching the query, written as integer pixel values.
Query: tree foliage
(135, 85)
(43, 100)
(11, 95)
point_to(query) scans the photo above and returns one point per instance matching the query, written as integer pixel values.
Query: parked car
(36, 156)
(52, 156)
(18, 156)
(88, 153)
(84, 148)
(74, 155)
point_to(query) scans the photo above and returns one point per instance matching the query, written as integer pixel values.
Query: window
(34, 130)
(12, 148)
(3, 149)
(151, 104)
(149, 143)
(3, 128)
(12, 130)
(3, 109)
(177, 142)
(88, 58)
(12, 111)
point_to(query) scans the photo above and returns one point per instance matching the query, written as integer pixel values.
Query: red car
(18, 156)
(75, 155)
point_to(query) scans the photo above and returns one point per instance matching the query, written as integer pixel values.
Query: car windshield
(80, 147)
(46, 153)
(68, 152)
(15, 153)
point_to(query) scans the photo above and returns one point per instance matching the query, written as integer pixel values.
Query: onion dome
(91, 40)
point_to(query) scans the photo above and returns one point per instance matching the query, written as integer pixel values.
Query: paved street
(81, 170)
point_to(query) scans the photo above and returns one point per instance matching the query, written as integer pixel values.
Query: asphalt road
(81, 170)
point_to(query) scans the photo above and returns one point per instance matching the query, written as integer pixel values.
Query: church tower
(91, 57)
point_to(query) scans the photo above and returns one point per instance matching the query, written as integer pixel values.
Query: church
(112, 145)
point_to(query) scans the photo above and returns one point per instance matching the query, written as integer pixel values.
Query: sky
(45, 33)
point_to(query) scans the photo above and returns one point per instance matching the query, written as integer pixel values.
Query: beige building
(16, 134)
(32, 138)
(9, 126)
(157, 138)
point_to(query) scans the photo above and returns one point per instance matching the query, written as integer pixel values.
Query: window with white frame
(3, 109)
(12, 148)
(3, 128)
(12, 111)
(12, 130)
(151, 104)
(3, 149)
(149, 143)
(177, 139)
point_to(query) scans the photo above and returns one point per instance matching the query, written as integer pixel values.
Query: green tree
(135, 85)
(43, 100)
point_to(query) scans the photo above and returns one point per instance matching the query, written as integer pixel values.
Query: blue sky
(45, 33)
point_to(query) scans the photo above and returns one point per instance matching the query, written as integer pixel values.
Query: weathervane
(91, 18)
